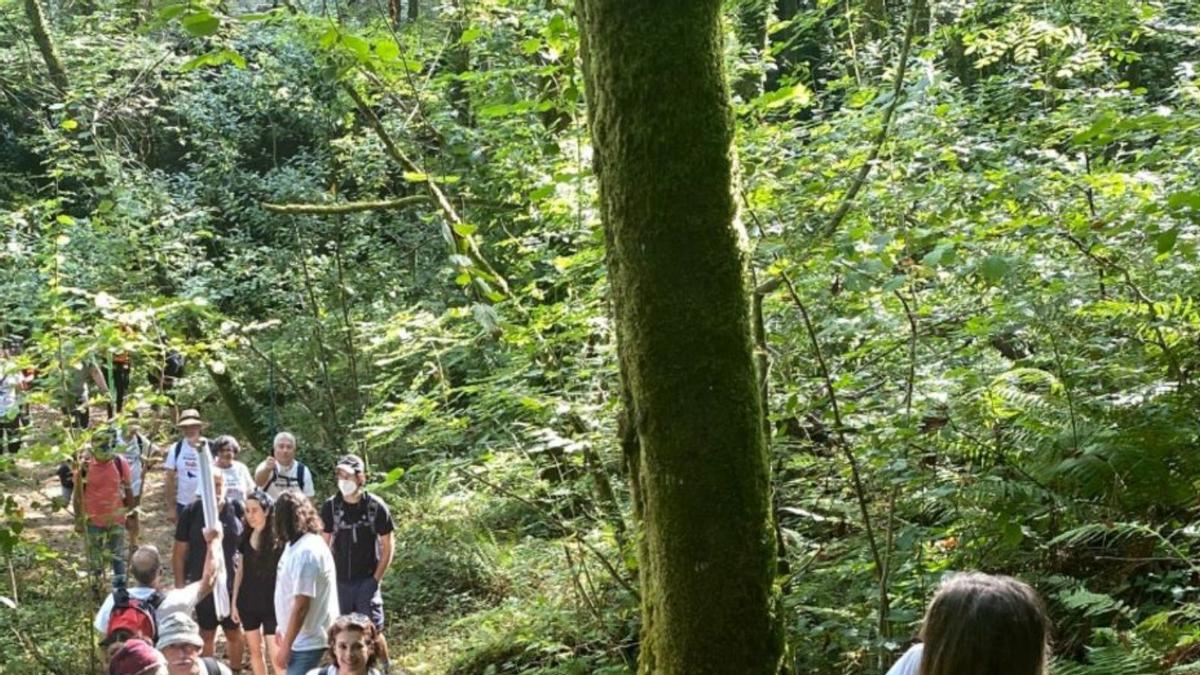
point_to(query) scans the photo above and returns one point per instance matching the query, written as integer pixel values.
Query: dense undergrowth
(1004, 314)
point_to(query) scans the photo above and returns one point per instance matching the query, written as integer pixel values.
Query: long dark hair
(268, 541)
(360, 623)
(295, 515)
(979, 624)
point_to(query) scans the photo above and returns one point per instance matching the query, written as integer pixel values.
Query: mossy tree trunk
(45, 44)
(662, 129)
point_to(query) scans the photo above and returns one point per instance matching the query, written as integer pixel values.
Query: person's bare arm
(385, 556)
(262, 473)
(177, 563)
(170, 494)
(98, 378)
(237, 586)
(77, 499)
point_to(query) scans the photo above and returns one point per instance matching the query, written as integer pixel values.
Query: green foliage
(1032, 211)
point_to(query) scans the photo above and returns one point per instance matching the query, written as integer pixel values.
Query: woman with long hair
(305, 586)
(354, 647)
(980, 624)
(254, 582)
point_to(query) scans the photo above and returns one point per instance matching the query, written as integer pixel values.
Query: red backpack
(135, 615)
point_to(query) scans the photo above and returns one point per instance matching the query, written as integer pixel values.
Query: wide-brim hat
(190, 418)
(178, 628)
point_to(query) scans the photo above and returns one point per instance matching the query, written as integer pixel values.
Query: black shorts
(255, 618)
(206, 616)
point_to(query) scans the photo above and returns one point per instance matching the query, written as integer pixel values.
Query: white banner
(208, 496)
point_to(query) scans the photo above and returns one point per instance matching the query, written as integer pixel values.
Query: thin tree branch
(344, 207)
(885, 127)
(859, 491)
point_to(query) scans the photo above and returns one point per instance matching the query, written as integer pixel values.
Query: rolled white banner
(212, 519)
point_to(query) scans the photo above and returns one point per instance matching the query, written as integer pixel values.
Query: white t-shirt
(133, 452)
(238, 481)
(177, 600)
(187, 469)
(910, 663)
(306, 568)
(285, 479)
(8, 392)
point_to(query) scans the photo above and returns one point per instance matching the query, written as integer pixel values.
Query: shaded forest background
(973, 229)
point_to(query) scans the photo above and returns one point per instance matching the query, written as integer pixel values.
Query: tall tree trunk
(751, 28)
(41, 35)
(414, 9)
(661, 125)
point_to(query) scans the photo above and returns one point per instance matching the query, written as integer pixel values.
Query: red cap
(133, 658)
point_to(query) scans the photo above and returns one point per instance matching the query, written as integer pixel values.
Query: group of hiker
(303, 581)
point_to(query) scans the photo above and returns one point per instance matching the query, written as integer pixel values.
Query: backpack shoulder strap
(300, 471)
(120, 597)
(155, 599)
(211, 665)
(372, 511)
(176, 450)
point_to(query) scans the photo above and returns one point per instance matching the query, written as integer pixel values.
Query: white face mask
(347, 486)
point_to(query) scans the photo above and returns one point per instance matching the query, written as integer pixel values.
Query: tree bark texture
(41, 35)
(661, 124)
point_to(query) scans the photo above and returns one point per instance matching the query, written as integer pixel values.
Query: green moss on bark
(661, 125)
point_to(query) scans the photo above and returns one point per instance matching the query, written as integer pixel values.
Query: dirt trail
(35, 487)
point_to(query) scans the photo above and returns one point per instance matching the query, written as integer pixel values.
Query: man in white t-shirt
(305, 588)
(183, 464)
(282, 471)
(133, 445)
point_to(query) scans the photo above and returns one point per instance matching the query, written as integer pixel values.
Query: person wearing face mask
(358, 528)
(102, 502)
(190, 551)
(282, 471)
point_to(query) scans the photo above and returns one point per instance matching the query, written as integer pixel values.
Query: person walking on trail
(979, 624)
(238, 481)
(75, 389)
(103, 498)
(116, 374)
(282, 471)
(182, 464)
(180, 642)
(190, 550)
(254, 584)
(306, 586)
(137, 611)
(133, 445)
(358, 528)
(12, 382)
(354, 647)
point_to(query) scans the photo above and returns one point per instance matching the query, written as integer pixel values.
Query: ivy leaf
(200, 24)
(1165, 241)
(994, 269)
